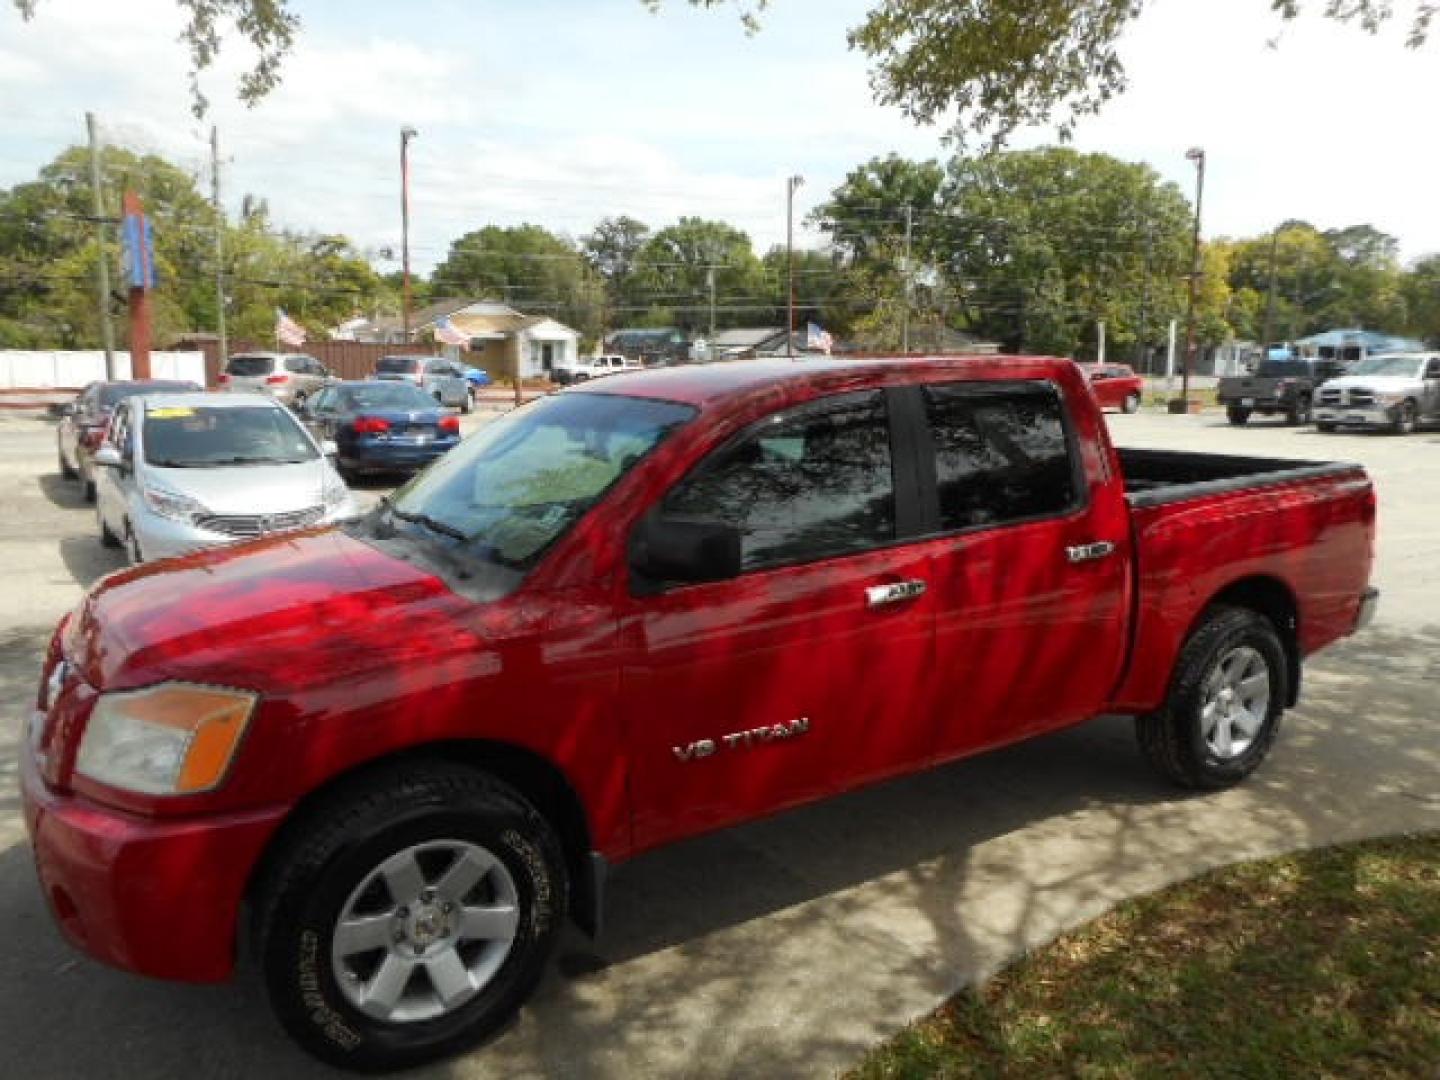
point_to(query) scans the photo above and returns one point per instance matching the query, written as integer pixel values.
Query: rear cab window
(249, 366)
(397, 365)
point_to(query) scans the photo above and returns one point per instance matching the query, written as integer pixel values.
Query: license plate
(1247, 402)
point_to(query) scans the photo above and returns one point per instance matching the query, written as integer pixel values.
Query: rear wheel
(1223, 710)
(410, 918)
(1237, 416)
(1405, 418)
(1131, 403)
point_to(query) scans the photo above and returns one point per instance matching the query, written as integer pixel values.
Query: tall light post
(406, 134)
(791, 183)
(1182, 403)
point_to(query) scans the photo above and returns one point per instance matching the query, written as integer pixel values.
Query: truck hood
(1393, 384)
(276, 615)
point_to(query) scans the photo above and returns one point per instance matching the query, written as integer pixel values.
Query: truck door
(1029, 568)
(810, 671)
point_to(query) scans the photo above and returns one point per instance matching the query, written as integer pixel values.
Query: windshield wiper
(430, 523)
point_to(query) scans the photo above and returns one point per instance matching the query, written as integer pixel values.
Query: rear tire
(1237, 415)
(1131, 404)
(1202, 737)
(359, 856)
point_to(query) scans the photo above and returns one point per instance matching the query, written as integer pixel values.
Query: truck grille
(248, 526)
(1331, 397)
(1358, 397)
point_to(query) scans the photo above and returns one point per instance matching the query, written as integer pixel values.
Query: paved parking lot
(788, 946)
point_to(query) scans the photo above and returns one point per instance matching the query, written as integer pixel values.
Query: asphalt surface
(787, 947)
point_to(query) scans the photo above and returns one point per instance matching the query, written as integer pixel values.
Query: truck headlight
(1390, 397)
(172, 504)
(170, 739)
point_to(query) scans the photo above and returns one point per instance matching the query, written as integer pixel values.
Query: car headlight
(171, 739)
(171, 504)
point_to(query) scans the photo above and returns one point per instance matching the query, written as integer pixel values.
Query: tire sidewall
(1241, 629)
(296, 951)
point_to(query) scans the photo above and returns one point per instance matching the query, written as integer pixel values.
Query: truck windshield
(1389, 365)
(511, 490)
(1273, 369)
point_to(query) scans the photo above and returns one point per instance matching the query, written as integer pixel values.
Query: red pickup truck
(396, 754)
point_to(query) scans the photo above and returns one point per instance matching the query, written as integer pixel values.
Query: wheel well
(542, 784)
(1273, 599)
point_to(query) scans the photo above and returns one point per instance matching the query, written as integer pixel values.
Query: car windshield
(109, 395)
(245, 366)
(512, 489)
(397, 365)
(200, 437)
(1389, 365)
(400, 396)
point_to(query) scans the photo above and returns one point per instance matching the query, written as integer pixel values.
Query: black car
(83, 422)
(1278, 387)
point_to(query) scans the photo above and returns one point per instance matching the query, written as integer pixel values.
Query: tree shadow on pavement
(787, 946)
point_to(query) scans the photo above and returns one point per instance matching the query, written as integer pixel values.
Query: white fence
(44, 370)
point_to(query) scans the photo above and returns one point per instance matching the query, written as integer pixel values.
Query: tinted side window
(1000, 454)
(1432, 370)
(811, 483)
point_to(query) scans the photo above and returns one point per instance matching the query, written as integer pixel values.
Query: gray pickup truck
(1284, 387)
(1395, 392)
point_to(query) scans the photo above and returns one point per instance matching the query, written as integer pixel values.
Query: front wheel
(1237, 416)
(410, 917)
(1131, 403)
(1222, 713)
(1405, 418)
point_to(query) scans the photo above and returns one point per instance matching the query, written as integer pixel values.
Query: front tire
(1405, 418)
(1223, 710)
(1237, 415)
(410, 917)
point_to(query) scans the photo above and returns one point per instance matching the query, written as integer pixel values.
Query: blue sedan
(381, 427)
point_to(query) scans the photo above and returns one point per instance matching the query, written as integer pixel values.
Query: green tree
(528, 267)
(1420, 287)
(1001, 65)
(670, 283)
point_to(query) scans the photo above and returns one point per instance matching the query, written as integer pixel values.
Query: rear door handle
(1099, 549)
(896, 592)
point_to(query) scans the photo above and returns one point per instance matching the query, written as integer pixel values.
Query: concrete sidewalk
(788, 947)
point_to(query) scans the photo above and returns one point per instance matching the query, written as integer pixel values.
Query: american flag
(817, 338)
(447, 334)
(287, 330)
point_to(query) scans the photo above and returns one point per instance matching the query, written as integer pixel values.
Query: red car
(1116, 386)
(395, 755)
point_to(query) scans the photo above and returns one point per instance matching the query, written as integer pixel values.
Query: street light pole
(791, 183)
(1182, 404)
(406, 134)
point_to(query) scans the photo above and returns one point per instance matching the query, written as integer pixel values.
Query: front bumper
(159, 898)
(1359, 416)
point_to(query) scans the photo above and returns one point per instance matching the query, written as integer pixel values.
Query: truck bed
(1156, 477)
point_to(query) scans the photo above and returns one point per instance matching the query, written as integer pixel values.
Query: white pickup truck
(592, 367)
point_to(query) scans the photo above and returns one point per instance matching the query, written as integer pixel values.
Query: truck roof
(707, 384)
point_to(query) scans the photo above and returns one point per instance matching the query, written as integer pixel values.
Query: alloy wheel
(1235, 702)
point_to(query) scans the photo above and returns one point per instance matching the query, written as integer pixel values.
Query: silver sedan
(189, 471)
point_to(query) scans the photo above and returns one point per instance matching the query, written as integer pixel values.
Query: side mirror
(107, 457)
(328, 447)
(688, 552)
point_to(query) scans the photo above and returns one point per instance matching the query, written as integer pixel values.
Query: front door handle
(894, 593)
(1099, 549)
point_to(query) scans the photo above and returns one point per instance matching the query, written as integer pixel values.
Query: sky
(561, 112)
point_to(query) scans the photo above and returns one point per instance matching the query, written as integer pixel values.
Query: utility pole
(710, 280)
(1270, 294)
(219, 245)
(791, 183)
(140, 271)
(102, 271)
(1100, 336)
(905, 308)
(1182, 404)
(406, 134)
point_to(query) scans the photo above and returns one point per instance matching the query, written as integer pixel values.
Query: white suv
(592, 367)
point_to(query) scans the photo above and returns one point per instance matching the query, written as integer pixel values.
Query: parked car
(442, 379)
(83, 423)
(191, 471)
(1116, 386)
(592, 367)
(478, 378)
(287, 377)
(1395, 391)
(382, 427)
(1278, 387)
(394, 756)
